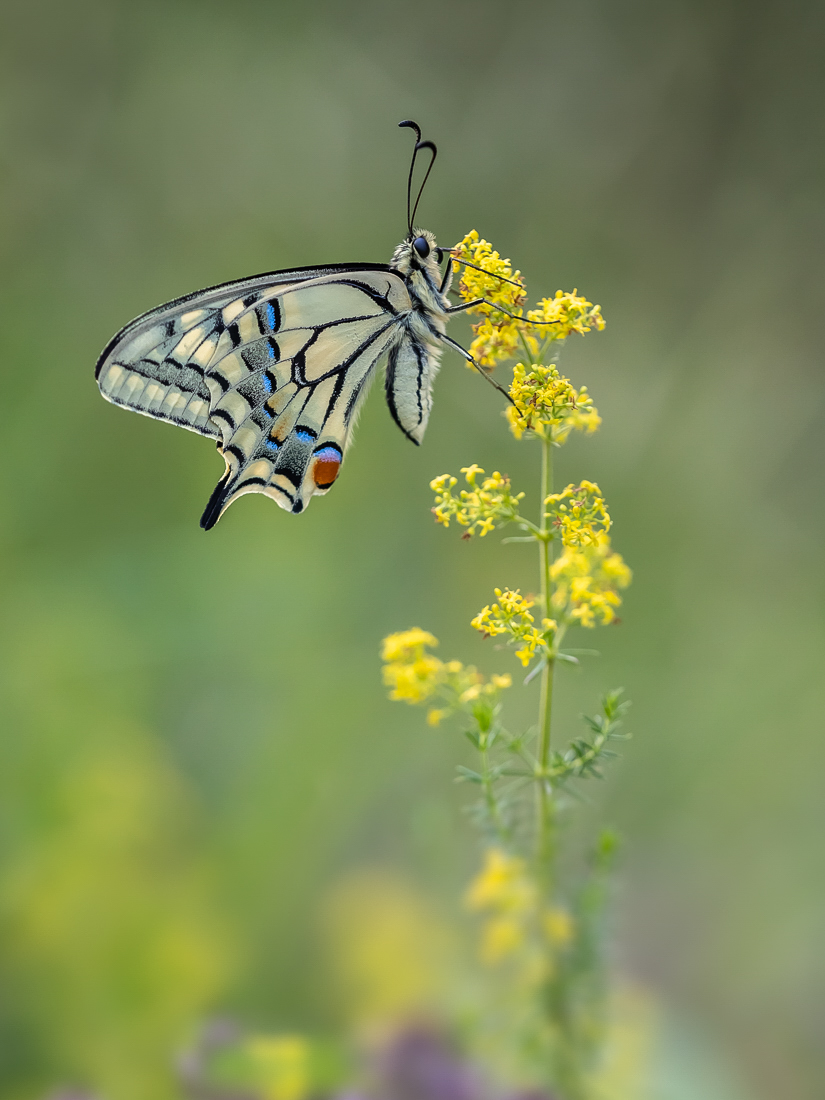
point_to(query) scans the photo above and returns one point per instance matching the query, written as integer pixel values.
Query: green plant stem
(545, 808)
(493, 807)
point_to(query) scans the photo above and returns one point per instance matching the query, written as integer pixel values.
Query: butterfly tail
(214, 507)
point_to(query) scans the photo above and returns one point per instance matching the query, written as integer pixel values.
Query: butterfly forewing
(273, 368)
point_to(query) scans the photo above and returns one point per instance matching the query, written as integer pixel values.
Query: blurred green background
(195, 742)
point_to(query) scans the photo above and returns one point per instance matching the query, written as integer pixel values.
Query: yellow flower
(496, 336)
(555, 318)
(511, 615)
(494, 281)
(502, 884)
(414, 682)
(615, 570)
(505, 329)
(586, 579)
(282, 1065)
(558, 926)
(412, 674)
(530, 643)
(407, 645)
(581, 419)
(544, 400)
(579, 513)
(508, 614)
(481, 506)
(500, 937)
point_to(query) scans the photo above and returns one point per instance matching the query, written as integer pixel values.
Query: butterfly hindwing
(411, 369)
(273, 368)
(285, 397)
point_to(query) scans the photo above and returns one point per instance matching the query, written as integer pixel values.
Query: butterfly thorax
(424, 280)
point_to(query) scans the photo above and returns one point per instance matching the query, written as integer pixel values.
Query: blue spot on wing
(330, 452)
(273, 446)
(270, 312)
(305, 436)
(267, 382)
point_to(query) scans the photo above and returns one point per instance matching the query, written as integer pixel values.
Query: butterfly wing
(273, 367)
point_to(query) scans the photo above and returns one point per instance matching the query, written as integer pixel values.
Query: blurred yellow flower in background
(503, 884)
(411, 672)
(586, 582)
(390, 954)
(281, 1065)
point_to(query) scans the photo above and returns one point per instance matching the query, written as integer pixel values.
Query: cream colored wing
(411, 369)
(273, 368)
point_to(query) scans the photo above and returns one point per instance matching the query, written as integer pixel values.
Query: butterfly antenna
(423, 145)
(413, 126)
(419, 145)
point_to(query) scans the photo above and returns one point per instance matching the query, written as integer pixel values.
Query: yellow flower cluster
(495, 280)
(480, 507)
(543, 398)
(504, 330)
(580, 514)
(280, 1064)
(511, 615)
(415, 676)
(586, 582)
(555, 318)
(412, 674)
(497, 335)
(558, 926)
(504, 890)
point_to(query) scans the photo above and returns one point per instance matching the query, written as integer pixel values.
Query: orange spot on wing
(326, 470)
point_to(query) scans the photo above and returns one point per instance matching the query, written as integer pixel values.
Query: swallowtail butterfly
(274, 367)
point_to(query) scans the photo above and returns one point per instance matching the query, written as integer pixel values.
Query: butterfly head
(419, 252)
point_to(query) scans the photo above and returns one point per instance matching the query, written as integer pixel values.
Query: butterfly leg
(448, 276)
(463, 306)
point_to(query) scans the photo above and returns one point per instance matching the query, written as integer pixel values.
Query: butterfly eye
(439, 255)
(422, 247)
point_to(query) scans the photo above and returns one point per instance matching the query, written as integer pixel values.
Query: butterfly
(275, 367)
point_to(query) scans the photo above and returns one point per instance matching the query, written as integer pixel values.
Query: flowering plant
(540, 928)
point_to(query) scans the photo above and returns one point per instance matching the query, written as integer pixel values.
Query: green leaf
(535, 670)
(612, 705)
